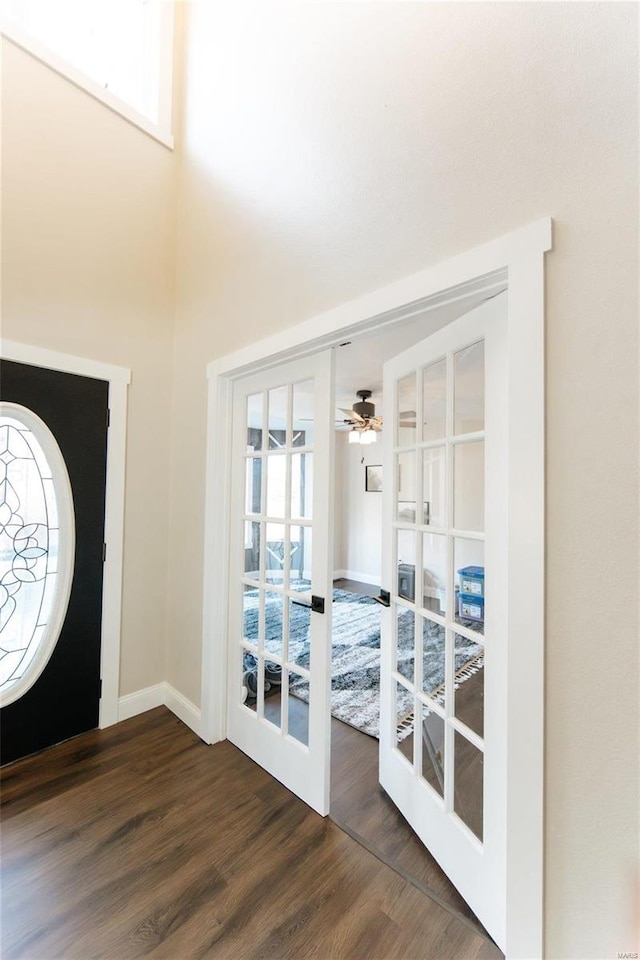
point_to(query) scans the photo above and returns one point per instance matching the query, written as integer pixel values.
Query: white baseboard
(159, 695)
(184, 709)
(355, 575)
(141, 701)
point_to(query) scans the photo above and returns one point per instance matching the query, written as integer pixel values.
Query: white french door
(281, 574)
(444, 637)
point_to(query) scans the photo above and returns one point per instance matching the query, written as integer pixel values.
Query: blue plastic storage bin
(472, 581)
(471, 608)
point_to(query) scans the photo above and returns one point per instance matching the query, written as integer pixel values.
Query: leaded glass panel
(33, 595)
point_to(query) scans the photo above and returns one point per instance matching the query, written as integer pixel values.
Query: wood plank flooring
(141, 841)
(359, 803)
(356, 586)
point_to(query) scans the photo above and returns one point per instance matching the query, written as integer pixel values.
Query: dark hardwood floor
(141, 841)
(359, 802)
(356, 586)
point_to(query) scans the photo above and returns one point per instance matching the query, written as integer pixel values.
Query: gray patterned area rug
(355, 667)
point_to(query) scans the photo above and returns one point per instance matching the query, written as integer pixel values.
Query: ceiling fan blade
(353, 415)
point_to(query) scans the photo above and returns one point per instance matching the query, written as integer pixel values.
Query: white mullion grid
(467, 534)
(284, 699)
(434, 617)
(467, 733)
(449, 661)
(396, 410)
(427, 528)
(286, 571)
(432, 444)
(469, 834)
(288, 435)
(422, 700)
(247, 579)
(394, 637)
(306, 449)
(300, 671)
(263, 550)
(404, 525)
(284, 686)
(261, 620)
(417, 716)
(427, 701)
(243, 704)
(286, 560)
(274, 587)
(452, 724)
(461, 438)
(418, 580)
(417, 677)
(469, 634)
(395, 605)
(393, 587)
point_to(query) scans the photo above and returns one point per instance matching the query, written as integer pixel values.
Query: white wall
(358, 537)
(331, 148)
(88, 232)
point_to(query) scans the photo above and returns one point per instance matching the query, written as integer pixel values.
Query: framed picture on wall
(373, 478)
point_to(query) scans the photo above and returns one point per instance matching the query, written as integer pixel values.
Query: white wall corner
(161, 695)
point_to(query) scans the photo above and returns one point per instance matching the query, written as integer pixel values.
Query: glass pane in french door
(439, 590)
(277, 568)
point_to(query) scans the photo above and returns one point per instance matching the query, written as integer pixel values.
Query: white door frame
(118, 379)
(518, 258)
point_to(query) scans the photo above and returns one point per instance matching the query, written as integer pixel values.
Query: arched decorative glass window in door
(37, 548)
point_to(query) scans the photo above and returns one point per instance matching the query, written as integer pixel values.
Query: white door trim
(118, 379)
(518, 258)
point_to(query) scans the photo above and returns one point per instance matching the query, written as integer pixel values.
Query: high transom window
(118, 50)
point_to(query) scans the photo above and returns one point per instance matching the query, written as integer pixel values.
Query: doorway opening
(513, 903)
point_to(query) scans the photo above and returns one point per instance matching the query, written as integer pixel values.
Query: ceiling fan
(362, 420)
(362, 415)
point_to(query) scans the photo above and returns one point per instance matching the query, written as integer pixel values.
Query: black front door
(64, 701)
